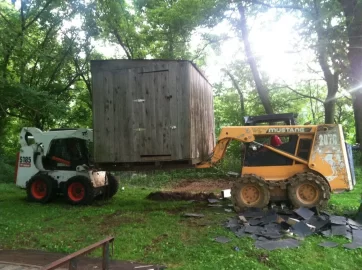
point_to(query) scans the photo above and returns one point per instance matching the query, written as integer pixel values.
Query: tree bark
(332, 79)
(260, 87)
(329, 112)
(353, 13)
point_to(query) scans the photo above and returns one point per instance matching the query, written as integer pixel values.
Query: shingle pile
(284, 228)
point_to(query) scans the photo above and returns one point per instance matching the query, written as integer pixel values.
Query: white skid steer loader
(58, 161)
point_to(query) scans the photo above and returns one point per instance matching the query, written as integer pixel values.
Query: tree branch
(241, 95)
(277, 6)
(11, 114)
(38, 14)
(120, 41)
(233, 80)
(311, 106)
(200, 51)
(57, 68)
(304, 95)
(41, 47)
(5, 19)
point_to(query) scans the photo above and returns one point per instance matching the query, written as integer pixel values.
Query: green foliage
(170, 24)
(40, 69)
(6, 168)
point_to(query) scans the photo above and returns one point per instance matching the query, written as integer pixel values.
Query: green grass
(155, 232)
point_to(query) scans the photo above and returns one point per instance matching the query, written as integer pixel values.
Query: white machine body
(35, 146)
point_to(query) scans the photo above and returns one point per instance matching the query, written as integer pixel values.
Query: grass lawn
(155, 232)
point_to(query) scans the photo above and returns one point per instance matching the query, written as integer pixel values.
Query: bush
(357, 157)
(6, 169)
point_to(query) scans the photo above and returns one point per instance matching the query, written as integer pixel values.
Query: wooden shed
(151, 112)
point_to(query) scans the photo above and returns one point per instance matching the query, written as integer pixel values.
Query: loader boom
(247, 135)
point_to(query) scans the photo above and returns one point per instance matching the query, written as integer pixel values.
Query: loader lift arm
(244, 135)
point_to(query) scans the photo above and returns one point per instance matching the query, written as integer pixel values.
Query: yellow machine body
(319, 149)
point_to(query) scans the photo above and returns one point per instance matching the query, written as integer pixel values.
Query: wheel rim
(76, 191)
(250, 194)
(307, 193)
(39, 189)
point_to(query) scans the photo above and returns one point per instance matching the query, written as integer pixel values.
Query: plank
(149, 92)
(184, 93)
(128, 105)
(137, 108)
(108, 107)
(201, 112)
(193, 107)
(175, 104)
(164, 111)
(121, 128)
(97, 101)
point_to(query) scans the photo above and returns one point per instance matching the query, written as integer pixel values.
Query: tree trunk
(329, 111)
(330, 102)
(357, 110)
(353, 12)
(262, 90)
(332, 79)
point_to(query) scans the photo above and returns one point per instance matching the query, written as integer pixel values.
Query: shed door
(153, 101)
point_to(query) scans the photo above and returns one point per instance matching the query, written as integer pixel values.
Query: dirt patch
(192, 189)
(204, 185)
(154, 245)
(176, 210)
(50, 230)
(114, 220)
(180, 196)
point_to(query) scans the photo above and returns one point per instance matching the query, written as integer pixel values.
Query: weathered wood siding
(147, 110)
(201, 115)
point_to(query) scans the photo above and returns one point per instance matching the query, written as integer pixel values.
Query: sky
(271, 41)
(272, 45)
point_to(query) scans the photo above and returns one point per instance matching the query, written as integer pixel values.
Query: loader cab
(293, 144)
(67, 154)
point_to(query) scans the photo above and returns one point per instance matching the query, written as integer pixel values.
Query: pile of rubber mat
(284, 228)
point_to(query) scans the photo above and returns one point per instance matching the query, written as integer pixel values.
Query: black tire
(112, 188)
(259, 189)
(308, 190)
(40, 188)
(79, 190)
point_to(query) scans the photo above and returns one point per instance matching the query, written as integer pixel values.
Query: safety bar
(72, 258)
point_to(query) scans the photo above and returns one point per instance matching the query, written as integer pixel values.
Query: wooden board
(147, 111)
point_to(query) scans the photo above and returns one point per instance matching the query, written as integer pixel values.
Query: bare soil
(204, 185)
(42, 258)
(180, 196)
(187, 190)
